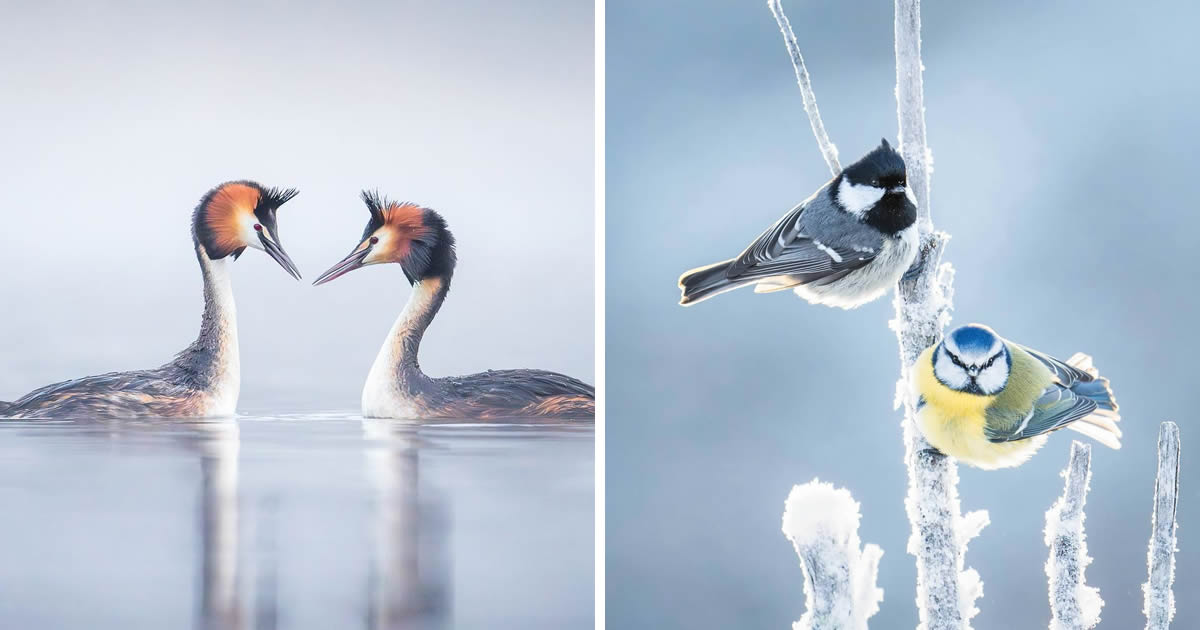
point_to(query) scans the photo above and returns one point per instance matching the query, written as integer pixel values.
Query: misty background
(118, 119)
(1064, 145)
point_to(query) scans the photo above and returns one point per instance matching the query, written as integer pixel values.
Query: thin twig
(806, 92)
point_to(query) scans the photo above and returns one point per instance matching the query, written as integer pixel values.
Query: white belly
(870, 282)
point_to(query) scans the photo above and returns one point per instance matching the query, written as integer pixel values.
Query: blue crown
(973, 338)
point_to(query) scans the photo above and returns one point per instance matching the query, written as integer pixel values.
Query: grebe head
(400, 232)
(237, 215)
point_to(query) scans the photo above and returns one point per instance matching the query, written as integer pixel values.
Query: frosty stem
(1160, 601)
(839, 571)
(828, 150)
(1073, 604)
(946, 592)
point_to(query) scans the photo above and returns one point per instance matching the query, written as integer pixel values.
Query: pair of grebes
(204, 379)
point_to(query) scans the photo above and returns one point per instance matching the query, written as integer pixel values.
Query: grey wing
(97, 395)
(788, 248)
(520, 392)
(1057, 407)
(518, 386)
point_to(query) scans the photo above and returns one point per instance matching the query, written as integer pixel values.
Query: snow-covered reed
(1160, 601)
(839, 571)
(946, 590)
(1073, 604)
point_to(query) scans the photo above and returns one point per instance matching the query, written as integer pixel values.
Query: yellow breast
(953, 422)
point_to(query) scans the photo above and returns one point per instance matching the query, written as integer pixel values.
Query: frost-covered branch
(839, 572)
(1073, 604)
(1160, 601)
(910, 101)
(946, 590)
(806, 92)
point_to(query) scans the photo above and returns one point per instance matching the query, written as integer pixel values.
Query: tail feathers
(778, 283)
(1099, 391)
(704, 282)
(1094, 427)
(1083, 363)
(1100, 425)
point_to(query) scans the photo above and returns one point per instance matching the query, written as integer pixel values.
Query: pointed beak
(896, 190)
(280, 256)
(344, 266)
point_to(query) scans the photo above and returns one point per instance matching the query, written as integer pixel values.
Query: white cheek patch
(858, 199)
(246, 223)
(993, 379)
(948, 373)
(377, 250)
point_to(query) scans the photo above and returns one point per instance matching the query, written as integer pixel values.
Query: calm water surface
(306, 521)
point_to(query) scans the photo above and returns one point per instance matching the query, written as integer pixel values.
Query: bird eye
(257, 227)
(374, 239)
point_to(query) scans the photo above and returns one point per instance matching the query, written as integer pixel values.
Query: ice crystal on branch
(839, 572)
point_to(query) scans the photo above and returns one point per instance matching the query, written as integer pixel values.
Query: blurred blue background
(1063, 140)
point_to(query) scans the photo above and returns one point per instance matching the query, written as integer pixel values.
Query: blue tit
(990, 402)
(844, 246)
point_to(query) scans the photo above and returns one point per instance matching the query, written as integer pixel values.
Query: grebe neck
(397, 361)
(212, 362)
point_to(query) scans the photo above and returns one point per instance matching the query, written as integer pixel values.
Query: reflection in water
(404, 588)
(403, 591)
(220, 604)
(313, 521)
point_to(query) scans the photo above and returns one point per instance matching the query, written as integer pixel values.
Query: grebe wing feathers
(130, 391)
(516, 388)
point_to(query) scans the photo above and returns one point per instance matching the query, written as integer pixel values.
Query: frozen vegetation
(839, 572)
(1160, 601)
(1073, 604)
(806, 92)
(946, 590)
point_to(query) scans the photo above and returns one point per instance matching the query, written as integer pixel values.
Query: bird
(990, 402)
(418, 239)
(844, 246)
(204, 379)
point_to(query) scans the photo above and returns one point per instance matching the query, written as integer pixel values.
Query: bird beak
(280, 256)
(344, 266)
(897, 190)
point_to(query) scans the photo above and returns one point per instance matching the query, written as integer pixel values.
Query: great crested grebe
(204, 379)
(417, 239)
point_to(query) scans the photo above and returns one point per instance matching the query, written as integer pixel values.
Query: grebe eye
(374, 239)
(257, 227)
